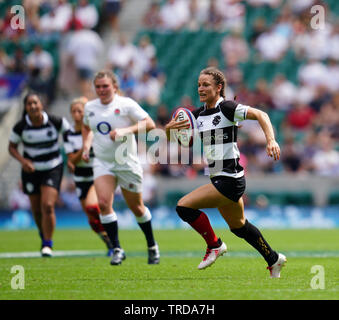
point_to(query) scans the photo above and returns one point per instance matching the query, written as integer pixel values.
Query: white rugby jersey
(218, 129)
(122, 112)
(40, 143)
(72, 143)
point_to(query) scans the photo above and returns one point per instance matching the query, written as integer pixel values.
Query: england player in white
(110, 123)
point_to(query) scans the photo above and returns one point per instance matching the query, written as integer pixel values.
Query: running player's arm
(27, 164)
(272, 148)
(87, 137)
(142, 125)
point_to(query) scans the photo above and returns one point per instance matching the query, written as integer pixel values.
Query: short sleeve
(65, 126)
(240, 112)
(68, 146)
(85, 118)
(228, 109)
(15, 136)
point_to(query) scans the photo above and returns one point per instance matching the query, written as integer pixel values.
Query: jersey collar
(44, 121)
(216, 104)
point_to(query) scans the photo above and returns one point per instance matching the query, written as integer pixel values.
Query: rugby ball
(185, 136)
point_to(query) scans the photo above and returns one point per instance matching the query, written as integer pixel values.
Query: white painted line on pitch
(179, 254)
(37, 254)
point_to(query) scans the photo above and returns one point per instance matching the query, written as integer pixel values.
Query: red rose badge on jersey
(117, 112)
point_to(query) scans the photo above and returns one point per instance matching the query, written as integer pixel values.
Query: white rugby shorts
(126, 179)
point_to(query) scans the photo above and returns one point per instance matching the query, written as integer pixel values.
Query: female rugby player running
(218, 122)
(114, 120)
(42, 164)
(83, 171)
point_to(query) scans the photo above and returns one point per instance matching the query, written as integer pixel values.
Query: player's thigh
(104, 187)
(35, 200)
(206, 196)
(233, 213)
(49, 196)
(134, 201)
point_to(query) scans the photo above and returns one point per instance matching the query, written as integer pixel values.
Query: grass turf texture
(240, 274)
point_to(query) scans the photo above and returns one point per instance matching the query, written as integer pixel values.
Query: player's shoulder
(125, 101)
(229, 104)
(196, 112)
(227, 107)
(92, 104)
(19, 126)
(53, 118)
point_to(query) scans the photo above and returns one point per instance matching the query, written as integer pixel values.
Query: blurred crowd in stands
(304, 104)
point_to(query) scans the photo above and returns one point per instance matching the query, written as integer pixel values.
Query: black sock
(107, 241)
(146, 227)
(112, 232)
(254, 237)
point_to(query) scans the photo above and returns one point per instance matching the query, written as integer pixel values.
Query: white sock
(145, 217)
(108, 218)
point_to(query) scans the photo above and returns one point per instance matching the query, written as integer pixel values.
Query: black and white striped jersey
(40, 144)
(73, 143)
(218, 129)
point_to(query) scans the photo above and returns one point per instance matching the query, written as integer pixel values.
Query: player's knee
(138, 210)
(104, 204)
(48, 207)
(93, 210)
(187, 214)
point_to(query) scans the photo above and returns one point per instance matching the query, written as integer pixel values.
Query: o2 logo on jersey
(104, 127)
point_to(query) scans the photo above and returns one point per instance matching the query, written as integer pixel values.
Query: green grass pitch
(85, 273)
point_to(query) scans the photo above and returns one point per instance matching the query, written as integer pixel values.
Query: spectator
(271, 45)
(198, 14)
(292, 156)
(214, 18)
(86, 48)
(233, 14)
(57, 18)
(174, 14)
(283, 93)
(143, 54)
(18, 63)
(313, 73)
(326, 159)
(41, 67)
(74, 24)
(87, 14)
(147, 90)
(235, 45)
(156, 71)
(259, 27)
(300, 117)
(233, 72)
(151, 19)
(328, 119)
(5, 62)
(111, 11)
(262, 96)
(127, 81)
(120, 54)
